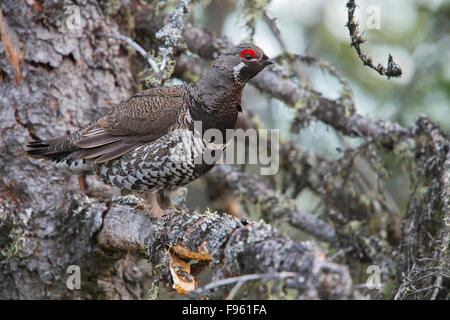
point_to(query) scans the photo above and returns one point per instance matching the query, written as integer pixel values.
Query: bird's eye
(248, 54)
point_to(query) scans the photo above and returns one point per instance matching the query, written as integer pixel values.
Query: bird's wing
(142, 118)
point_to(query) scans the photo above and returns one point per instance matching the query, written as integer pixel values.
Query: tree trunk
(68, 78)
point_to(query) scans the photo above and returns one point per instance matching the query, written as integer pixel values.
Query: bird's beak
(267, 61)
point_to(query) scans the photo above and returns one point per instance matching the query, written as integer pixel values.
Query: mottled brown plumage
(147, 143)
(142, 118)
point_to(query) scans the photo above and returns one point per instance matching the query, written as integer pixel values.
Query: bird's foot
(152, 205)
(82, 183)
(164, 201)
(159, 204)
(155, 211)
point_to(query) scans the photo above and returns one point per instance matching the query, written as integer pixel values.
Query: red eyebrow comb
(248, 51)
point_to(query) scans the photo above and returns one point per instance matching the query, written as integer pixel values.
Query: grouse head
(242, 62)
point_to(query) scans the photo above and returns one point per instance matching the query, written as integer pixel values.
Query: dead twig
(392, 69)
(240, 281)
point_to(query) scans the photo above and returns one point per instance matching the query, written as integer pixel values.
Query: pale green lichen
(16, 223)
(252, 11)
(153, 291)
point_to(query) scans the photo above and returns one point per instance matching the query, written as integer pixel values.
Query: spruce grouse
(147, 144)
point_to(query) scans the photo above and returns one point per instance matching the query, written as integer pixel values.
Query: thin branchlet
(171, 36)
(392, 70)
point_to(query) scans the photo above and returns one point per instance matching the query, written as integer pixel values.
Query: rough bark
(69, 77)
(233, 247)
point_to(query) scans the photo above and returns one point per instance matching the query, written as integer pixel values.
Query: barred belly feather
(164, 164)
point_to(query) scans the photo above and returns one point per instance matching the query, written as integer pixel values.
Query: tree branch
(273, 205)
(333, 113)
(392, 69)
(425, 255)
(235, 247)
(171, 34)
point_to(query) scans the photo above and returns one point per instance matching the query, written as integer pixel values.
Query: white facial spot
(237, 69)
